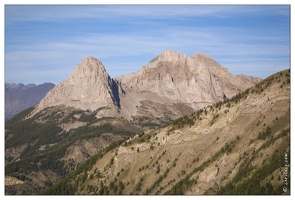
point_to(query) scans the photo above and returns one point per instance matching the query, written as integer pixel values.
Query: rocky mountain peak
(177, 77)
(170, 55)
(89, 69)
(197, 81)
(91, 63)
(167, 56)
(89, 59)
(202, 55)
(89, 86)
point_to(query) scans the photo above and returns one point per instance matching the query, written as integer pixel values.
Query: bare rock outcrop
(88, 87)
(229, 83)
(196, 81)
(169, 86)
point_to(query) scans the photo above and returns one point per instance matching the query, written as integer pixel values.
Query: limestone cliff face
(229, 83)
(88, 87)
(171, 83)
(197, 81)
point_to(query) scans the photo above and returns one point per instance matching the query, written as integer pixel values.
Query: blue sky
(45, 43)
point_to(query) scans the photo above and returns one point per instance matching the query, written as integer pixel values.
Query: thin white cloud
(105, 46)
(121, 48)
(105, 12)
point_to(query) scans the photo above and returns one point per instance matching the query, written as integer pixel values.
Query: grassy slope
(233, 147)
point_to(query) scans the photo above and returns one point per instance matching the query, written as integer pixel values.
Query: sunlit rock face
(176, 83)
(88, 87)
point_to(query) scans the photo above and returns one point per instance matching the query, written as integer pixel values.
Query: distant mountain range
(19, 97)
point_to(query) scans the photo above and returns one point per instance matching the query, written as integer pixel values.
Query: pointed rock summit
(88, 87)
(177, 77)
